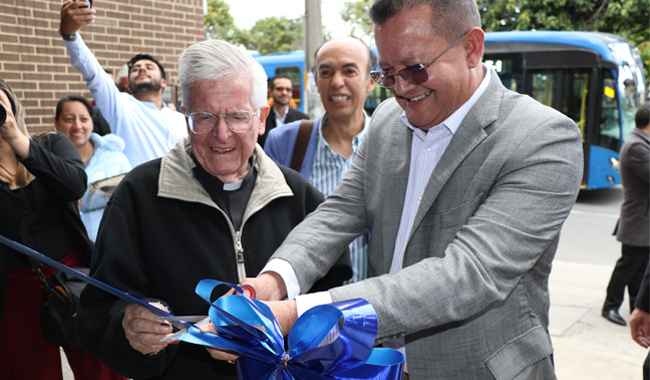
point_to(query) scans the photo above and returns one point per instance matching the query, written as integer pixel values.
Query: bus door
(568, 91)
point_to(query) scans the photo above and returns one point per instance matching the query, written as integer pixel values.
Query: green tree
(355, 14)
(271, 34)
(219, 24)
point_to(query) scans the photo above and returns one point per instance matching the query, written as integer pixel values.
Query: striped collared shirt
(327, 170)
(426, 150)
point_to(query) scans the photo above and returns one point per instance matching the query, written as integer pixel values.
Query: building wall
(35, 63)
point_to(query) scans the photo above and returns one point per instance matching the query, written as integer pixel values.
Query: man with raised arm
(145, 123)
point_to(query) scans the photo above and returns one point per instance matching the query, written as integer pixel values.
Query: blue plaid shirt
(327, 170)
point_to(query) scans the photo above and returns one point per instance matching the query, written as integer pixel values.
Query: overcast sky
(247, 12)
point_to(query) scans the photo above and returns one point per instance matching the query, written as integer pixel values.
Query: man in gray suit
(464, 187)
(634, 226)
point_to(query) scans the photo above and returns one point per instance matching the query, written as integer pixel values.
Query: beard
(144, 87)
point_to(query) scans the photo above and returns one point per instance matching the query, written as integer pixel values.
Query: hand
(640, 327)
(269, 286)
(215, 352)
(144, 330)
(11, 133)
(73, 17)
(285, 313)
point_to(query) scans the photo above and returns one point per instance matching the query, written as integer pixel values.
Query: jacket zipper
(239, 250)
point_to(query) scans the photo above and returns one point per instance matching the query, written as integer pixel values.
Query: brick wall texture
(35, 63)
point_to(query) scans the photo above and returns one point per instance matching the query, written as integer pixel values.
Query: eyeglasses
(202, 123)
(416, 74)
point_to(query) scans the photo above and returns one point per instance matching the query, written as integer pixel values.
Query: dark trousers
(628, 272)
(24, 353)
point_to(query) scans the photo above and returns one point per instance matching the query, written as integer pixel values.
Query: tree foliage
(219, 24)
(627, 18)
(355, 14)
(268, 35)
(271, 34)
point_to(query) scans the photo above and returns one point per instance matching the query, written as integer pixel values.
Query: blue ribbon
(248, 328)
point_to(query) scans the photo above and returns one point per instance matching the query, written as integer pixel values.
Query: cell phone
(90, 3)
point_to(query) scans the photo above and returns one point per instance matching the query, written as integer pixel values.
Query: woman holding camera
(41, 180)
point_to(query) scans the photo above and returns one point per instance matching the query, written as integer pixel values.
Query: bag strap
(302, 140)
(36, 265)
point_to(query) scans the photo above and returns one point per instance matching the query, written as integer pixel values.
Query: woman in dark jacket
(41, 181)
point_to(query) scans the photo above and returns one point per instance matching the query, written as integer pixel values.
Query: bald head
(350, 44)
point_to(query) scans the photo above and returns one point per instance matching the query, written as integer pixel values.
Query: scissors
(183, 322)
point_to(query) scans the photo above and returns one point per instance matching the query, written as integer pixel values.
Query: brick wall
(35, 63)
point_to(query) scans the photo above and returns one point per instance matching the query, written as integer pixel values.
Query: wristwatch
(68, 36)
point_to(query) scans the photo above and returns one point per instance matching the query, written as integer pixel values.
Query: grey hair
(450, 18)
(215, 61)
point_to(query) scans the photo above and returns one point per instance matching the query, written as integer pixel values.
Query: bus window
(631, 101)
(609, 129)
(575, 85)
(510, 70)
(565, 90)
(544, 87)
(294, 74)
(375, 97)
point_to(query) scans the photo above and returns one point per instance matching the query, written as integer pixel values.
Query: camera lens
(3, 115)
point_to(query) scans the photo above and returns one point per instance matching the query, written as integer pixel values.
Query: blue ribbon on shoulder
(247, 327)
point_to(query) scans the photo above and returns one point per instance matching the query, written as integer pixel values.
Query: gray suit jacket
(634, 226)
(472, 298)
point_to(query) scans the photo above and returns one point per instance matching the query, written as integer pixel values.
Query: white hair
(217, 60)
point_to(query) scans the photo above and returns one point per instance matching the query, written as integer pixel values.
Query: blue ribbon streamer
(248, 328)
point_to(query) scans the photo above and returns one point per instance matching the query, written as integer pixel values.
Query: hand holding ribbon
(261, 350)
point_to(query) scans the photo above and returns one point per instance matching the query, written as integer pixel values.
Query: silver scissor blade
(202, 321)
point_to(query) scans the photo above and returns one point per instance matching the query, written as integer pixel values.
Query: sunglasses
(416, 74)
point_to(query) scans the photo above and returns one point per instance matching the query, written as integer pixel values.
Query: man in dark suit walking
(634, 226)
(281, 90)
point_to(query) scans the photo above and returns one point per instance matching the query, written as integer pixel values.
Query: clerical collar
(234, 185)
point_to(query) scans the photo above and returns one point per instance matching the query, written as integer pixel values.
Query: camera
(3, 114)
(90, 3)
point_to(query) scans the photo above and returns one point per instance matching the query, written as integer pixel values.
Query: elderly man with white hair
(215, 206)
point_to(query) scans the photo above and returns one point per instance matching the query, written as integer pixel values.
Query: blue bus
(596, 79)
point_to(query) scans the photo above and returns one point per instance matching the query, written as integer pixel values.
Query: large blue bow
(350, 356)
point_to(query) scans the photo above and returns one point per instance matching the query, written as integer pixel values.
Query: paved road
(586, 345)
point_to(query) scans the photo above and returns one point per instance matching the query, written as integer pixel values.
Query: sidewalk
(587, 346)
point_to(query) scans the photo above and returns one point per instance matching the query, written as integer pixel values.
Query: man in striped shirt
(341, 75)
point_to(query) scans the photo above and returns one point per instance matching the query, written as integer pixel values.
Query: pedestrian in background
(633, 230)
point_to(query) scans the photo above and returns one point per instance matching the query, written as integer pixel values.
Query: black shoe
(614, 317)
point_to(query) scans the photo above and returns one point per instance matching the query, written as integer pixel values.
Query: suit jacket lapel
(468, 136)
